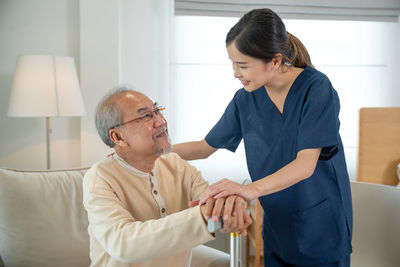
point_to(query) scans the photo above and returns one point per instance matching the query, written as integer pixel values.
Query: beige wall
(117, 41)
(112, 42)
(36, 27)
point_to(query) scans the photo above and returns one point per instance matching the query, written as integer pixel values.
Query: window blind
(361, 10)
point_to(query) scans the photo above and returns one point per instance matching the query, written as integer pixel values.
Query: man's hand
(232, 210)
(212, 208)
(235, 216)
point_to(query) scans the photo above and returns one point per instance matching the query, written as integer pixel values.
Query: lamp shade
(45, 86)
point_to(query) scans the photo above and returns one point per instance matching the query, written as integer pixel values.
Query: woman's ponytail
(299, 56)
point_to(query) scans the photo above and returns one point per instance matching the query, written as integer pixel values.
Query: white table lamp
(45, 86)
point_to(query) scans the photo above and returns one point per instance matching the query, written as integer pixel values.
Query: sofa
(376, 227)
(43, 221)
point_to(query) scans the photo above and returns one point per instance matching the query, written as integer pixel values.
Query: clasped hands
(232, 209)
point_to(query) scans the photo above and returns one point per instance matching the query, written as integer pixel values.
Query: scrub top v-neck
(310, 221)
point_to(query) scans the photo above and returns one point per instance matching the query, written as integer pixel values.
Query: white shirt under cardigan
(143, 219)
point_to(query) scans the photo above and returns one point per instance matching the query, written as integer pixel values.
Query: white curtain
(362, 10)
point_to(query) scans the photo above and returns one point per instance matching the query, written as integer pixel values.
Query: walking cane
(235, 237)
(234, 248)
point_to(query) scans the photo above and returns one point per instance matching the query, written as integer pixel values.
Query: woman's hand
(226, 187)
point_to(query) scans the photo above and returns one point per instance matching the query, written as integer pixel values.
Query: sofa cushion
(203, 256)
(42, 219)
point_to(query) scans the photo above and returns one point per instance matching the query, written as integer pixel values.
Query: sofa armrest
(376, 235)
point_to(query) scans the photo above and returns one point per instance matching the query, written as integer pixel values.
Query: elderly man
(137, 199)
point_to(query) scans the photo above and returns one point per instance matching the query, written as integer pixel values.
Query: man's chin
(163, 150)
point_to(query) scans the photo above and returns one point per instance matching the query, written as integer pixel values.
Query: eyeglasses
(147, 116)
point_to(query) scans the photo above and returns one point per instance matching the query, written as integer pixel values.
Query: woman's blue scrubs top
(310, 222)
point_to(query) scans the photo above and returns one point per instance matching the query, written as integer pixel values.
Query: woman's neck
(283, 81)
(279, 90)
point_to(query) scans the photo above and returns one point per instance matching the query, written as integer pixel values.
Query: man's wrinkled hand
(233, 211)
(235, 216)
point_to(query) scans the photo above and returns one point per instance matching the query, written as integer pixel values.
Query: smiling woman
(286, 114)
(360, 64)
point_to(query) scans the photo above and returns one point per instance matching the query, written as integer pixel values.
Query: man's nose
(159, 120)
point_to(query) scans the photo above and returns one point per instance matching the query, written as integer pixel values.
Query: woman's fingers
(221, 195)
(225, 188)
(194, 203)
(211, 191)
(221, 189)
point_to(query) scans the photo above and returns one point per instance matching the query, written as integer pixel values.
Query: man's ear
(116, 137)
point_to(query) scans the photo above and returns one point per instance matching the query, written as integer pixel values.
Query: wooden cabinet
(379, 145)
(254, 241)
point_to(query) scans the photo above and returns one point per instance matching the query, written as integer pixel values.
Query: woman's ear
(116, 137)
(277, 60)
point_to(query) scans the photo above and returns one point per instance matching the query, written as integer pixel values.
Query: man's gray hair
(108, 114)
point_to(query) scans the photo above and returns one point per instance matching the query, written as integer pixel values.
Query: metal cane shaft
(234, 250)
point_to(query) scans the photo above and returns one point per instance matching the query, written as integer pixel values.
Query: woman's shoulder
(239, 96)
(312, 73)
(240, 93)
(243, 94)
(312, 78)
(317, 84)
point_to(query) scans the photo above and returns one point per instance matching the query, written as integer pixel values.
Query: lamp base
(48, 132)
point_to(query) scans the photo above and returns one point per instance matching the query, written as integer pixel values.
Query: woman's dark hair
(261, 34)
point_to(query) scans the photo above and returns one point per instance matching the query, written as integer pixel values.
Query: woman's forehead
(237, 57)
